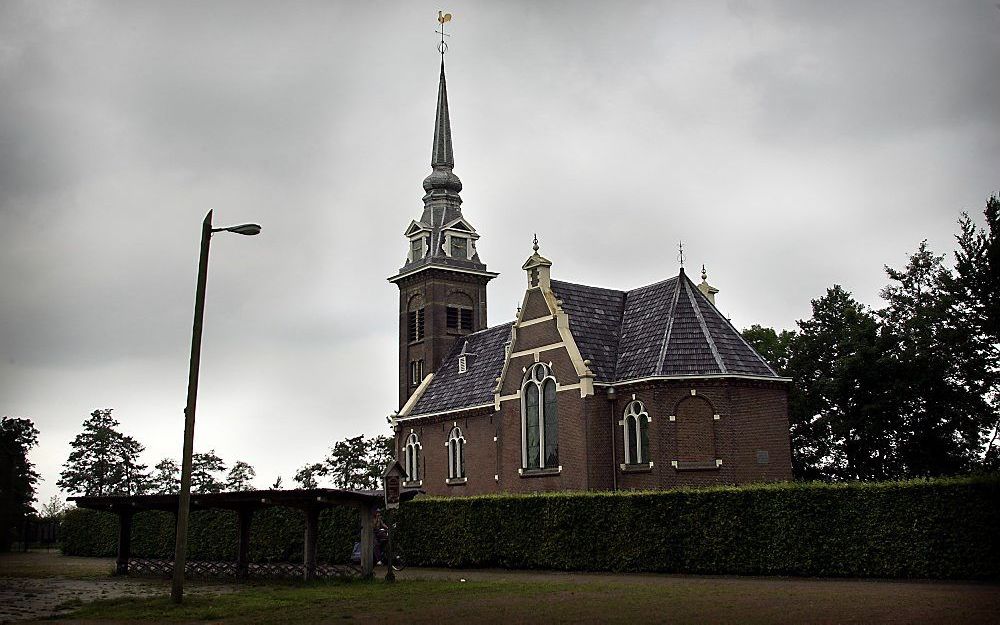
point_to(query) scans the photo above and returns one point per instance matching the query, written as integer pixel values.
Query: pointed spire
(441, 154)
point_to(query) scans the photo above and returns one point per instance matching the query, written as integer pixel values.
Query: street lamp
(184, 499)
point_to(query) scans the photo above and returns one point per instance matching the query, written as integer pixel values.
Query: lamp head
(247, 229)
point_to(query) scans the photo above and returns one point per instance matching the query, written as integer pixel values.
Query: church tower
(442, 283)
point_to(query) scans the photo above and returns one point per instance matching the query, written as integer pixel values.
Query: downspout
(614, 442)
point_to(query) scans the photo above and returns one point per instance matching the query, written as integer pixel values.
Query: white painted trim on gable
(443, 412)
(532, 322)
(415, 397)
(537, 350)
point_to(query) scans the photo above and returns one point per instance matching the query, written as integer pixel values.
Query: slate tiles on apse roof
(666, 328)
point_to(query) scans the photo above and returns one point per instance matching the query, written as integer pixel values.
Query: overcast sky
(790, 145)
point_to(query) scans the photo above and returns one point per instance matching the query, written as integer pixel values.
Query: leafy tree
(54, 508)
(347, 463)
(240, 476)
(975, 290)
(103, 460)
(943, 411)
(380, 451)
(166, 477)
(206, 472)
(277, 484)
(17, 475)
(306, 476)
(774, 347)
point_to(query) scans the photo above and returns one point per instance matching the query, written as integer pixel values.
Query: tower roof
(441, 154)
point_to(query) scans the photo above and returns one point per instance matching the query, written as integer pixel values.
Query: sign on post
(392, 480)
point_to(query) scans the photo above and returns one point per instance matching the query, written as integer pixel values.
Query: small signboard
(392, 481)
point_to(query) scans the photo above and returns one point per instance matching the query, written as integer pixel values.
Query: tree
(166, 477)
(277, 484)
(206, 472)
(54, 508)
(841, 418)
(306, 476)
(772, 346)
(240, 476)
(975, 290)
(347, 463)
(103, 460)
(17, 475)
(942, 407)
(380, 451)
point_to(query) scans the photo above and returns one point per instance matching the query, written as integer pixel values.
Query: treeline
(911, 389)
(105, 461)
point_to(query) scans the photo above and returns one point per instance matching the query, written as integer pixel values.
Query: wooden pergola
(244, 503)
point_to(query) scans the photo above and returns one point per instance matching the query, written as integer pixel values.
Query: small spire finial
(704, 274)
(443, 18)
(680, 253)
(534, 244)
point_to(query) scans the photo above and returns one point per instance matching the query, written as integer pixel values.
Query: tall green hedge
(948, 528)
(933, 529)
(276, 534)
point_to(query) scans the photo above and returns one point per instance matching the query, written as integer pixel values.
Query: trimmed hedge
(946, 528)
(276, 534)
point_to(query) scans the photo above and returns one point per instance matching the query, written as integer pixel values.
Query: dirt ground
(38, 585)
(41, 584)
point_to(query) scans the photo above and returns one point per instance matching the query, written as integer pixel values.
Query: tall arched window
(539, 419)
(636, 439)
(456, 454)
(412, 454)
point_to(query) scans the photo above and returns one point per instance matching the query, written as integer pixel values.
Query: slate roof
(484, 359)
(669, 328)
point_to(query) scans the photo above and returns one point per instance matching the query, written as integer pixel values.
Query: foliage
(17, 475)
(53, 509)
(276, 534)
(165, 478)
(943, 528)
(207, 470)
(103, 460)
(774, 347)
(240, 476)
(354, 463)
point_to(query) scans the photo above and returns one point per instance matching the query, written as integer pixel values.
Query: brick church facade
(588, 389)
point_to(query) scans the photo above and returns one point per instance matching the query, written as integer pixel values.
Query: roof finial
(534, 245)
(704, 274)
(443, 18)
(680, 253)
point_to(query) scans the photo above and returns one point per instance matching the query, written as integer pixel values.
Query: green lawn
(630, 600)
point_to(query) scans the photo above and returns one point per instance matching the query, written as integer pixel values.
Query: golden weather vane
(443, 18)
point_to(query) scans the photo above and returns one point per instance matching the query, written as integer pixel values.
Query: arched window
(539, 419)
(636, 439)
(456, 454)
(412, 458)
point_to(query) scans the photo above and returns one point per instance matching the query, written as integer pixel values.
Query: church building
(587, 389)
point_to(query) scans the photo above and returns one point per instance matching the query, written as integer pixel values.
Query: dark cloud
(790, 145)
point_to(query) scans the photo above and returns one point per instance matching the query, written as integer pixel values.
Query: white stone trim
(531, 322)
(397, 278)
(700, 376)
(415, 397)
(536, 351)
(443, 412)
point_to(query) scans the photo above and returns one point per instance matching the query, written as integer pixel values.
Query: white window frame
(412, 455)
(634, 411)
(455, 438)
(422, 238)
(530, 379)
(447, 244)
(463, 364)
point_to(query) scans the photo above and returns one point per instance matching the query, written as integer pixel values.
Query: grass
(656, 599)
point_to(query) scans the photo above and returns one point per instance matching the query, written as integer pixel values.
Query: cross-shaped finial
(680, 253)
(534, 245)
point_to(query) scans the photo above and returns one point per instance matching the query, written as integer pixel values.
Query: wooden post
(390, 576)
(367, 541)
(244, 517)
(312, 536)
(124, 541)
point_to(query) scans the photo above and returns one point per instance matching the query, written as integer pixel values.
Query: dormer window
(463, 364)
(459, 247)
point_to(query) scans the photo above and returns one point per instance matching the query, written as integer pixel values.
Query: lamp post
(184, 499)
